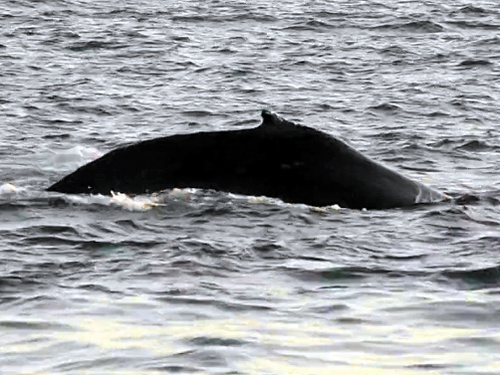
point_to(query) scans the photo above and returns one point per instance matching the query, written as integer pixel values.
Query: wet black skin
(278, 159)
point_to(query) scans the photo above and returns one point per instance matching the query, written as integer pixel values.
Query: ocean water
(212, 283)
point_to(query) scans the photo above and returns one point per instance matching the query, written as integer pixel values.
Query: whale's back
(279, 159)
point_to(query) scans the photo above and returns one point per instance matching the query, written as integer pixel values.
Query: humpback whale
(278, 158)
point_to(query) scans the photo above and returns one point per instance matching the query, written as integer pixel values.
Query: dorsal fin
(272, 119)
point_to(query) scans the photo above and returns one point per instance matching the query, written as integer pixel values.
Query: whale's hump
(293, 162)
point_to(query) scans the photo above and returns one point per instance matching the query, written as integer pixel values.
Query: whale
(278, 159)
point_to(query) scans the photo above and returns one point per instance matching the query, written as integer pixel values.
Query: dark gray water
(210, 283)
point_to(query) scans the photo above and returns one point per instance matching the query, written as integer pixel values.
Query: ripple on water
(217, 283)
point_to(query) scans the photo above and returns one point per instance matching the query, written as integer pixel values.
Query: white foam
(325, 209)
(133, 203)
(139, 203)
(180, 194)
(9, 188)
(11, 191)
(263, 200)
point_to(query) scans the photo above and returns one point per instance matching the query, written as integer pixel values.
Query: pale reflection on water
(263, 344)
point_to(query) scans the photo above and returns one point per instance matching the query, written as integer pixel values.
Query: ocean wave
(412, 26)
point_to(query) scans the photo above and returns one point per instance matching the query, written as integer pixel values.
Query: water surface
(211, 283)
